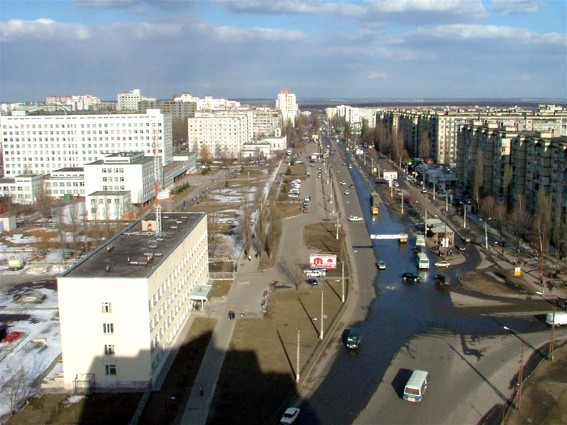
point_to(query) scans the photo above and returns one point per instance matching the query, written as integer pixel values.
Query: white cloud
(376, 75)
(42, 29)
(489, 32)
(515, 7)
(235, 34)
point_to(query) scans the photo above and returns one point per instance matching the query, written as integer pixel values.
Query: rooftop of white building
(137, 251)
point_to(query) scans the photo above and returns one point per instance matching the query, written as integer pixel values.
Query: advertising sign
(323, 261)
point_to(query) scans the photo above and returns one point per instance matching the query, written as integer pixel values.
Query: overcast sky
(410, 49)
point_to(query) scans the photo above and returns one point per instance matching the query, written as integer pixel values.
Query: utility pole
(322, 311)
(297, 354)
(343, 281)
(465, 219)
(402, 200)
(520, 378)
(552, 338)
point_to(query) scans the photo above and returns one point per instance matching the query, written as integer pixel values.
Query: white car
(343, 182)
(290, 415)
(347, 192)
(442, 263)
(355, 218)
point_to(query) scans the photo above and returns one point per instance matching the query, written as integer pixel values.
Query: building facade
(219, 134)
(43, 143)
(286, 102)
(123, 308)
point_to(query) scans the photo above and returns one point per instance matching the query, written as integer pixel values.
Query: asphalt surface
(251, 286)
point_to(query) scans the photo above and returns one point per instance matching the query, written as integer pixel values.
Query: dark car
(410, 278)
(441, 280)
(312, 282)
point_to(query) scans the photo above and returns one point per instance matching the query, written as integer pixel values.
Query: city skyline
(254, 49)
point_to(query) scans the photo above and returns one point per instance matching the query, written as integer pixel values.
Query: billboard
(323, 261)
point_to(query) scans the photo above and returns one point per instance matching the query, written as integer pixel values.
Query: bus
(416, 385)
(422, 261)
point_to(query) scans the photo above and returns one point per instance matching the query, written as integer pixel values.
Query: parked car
(441, 280)
(381, 265)
(355, 218)
(343, 182)
(410, 278)
(442, 263)
(315, 272)
(290, 415)
(347, 192)
(312, 282)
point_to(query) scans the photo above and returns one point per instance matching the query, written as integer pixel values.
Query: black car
(312, 282)
(441, 280)
(410, 278)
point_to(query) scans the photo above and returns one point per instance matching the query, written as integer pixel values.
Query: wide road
(471, 356)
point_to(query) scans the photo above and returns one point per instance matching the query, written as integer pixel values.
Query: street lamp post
(322, 311)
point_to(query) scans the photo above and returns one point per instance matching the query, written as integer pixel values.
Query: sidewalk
(247, 297)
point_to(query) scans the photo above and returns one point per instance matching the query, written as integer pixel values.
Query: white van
(560, 318)
(416, 385)
(315, 272)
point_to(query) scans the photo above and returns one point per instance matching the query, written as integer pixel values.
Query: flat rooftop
(137, 251)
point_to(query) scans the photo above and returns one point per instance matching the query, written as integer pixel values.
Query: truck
(15, 264)
(557, 318)
(374, 201)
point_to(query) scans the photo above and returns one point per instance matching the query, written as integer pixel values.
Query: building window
(110, 369)
(106, 307)
(108, 328)
(109, 349)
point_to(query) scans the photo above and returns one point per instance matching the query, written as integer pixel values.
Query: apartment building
(440, 127)
(220, 134)
(22, 189)
(129, 101)
(65, 183)
(123, 307)
(40, 144)
(286, 102)
(512, 165)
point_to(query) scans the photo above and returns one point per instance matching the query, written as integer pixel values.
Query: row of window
(130, 124)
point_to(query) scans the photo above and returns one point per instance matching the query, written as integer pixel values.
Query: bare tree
(519, 218)
(292, 272)
(275, 230)
(43, 203)
(206, 155)
(487, 205)
(478, 176)
(541, 223)
(424, 146)
(14, 388)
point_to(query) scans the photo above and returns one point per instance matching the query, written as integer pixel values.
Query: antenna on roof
(157, 174)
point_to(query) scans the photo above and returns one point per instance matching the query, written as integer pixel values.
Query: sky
(236, 49)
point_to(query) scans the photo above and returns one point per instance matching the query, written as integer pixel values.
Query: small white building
(123, 308)
(22, 189)
(65, 182)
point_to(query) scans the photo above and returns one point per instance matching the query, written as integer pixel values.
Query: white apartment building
(266, 121)
(65, 182)
(124, 307)
(129, 101)
(287, 103)
(109, 205)
(208, 103)
(74, 103)
(41, 144)
(125, 171)
(23, 189)
(219, 134)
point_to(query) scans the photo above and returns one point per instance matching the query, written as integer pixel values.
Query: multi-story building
(220, 134)
(64, 183)
(124, 307)
(22, 189)
(208, 103)
(266, 121)
(129, 101)
(41, 144)
(514, 165)
(439, 127)
(177, 109)
(287, 104)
